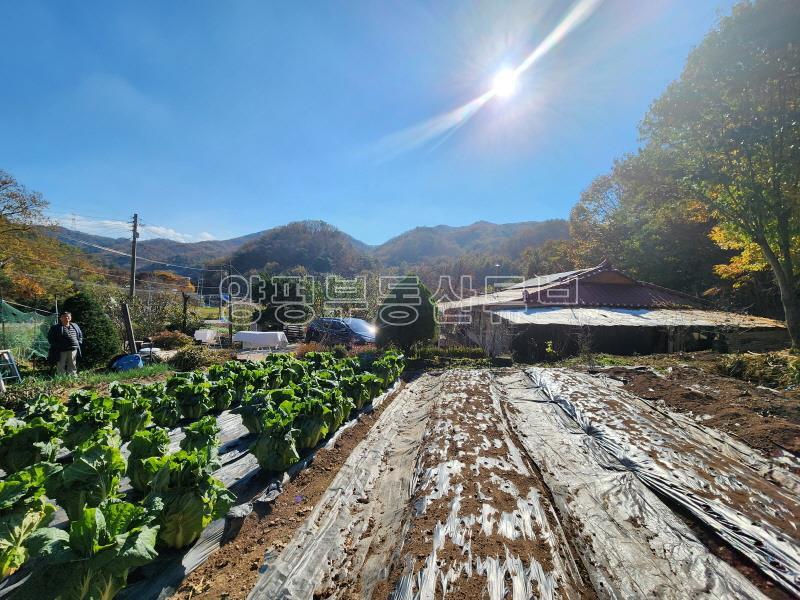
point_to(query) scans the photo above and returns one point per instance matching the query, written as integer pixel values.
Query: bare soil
(231, 571)
(765, 419)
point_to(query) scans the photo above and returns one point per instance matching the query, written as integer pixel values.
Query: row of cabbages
(287, 404)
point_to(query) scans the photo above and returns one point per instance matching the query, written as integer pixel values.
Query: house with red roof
(600, 309)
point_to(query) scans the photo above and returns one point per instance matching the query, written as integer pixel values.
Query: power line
(66, 266)
(150, 260)
(171, 287)
(122, 277)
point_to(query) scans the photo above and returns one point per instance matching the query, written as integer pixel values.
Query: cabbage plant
(275, 448)
(194, 399)
(191, 497)
(143, 445)
(93, 476)
(25, 444)
(23, 510)
(202, 436)
(133, 414)
(92, 559)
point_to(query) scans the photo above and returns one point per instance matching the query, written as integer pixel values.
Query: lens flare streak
(441, 127)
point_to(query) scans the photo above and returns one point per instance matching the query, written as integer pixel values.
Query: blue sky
(217, 119)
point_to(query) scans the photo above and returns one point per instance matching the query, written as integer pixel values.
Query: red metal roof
(630, 295)
(602, 285)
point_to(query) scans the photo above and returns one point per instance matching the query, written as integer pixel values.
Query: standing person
(65, 339)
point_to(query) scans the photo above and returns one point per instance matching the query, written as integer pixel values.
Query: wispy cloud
(113, 94)
(115, 228)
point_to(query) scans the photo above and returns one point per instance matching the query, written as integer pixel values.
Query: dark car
(347, 331)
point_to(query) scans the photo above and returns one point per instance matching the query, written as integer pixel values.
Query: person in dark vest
(65, 339)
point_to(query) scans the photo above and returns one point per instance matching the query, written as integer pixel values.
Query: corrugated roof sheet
(541, 280)
(612, 316)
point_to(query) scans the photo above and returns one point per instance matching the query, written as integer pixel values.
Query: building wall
(757, 340)
(530, 342)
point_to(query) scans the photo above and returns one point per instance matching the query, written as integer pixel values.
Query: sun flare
(504, 83)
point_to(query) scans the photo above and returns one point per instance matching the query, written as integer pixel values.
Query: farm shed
(602, 309)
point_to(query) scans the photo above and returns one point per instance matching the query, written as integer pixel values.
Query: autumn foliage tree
(728, 130)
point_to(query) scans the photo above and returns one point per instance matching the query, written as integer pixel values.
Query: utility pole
(134, 237)
(230, 308)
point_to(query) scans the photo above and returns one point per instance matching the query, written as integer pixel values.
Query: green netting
(25, 333)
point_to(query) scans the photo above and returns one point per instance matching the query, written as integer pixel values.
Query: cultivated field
(523, 483)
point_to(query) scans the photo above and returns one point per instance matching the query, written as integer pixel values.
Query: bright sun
(504, 83)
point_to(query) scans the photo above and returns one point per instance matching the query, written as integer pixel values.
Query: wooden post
(185, 309)
(126, 317)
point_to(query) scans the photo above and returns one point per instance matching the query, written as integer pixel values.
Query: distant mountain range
(320, 247)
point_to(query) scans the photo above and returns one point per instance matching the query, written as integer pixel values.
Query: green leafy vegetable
(92, 477)
(191, 497)
(27, 444)
(202, 436)
(49, 408)
(256, 405)
(274, 448)
(23, 510)
(93, 559)
(133, 414)
(222, 394)
(91, 416)
(193, 399)
(118, 389)
(165, 411)
(8, 421)
(310, 422)
(143, 445)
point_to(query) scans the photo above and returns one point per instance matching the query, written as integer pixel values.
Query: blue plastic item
(128, 362)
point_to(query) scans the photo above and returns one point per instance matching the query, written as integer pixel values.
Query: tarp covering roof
(642, 317)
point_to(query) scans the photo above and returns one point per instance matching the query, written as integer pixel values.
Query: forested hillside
(315, 246)
(428, 245)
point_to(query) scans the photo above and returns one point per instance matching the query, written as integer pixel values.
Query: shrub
(339, 351)
(101, 340)
(773, 369)
(303, 349)
(451, 352)
(406, 315)
(191, 358)
(171, 340)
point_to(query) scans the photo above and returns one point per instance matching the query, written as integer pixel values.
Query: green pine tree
(101, 340)
(406, 315)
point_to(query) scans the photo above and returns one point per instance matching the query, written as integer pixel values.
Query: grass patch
(60, 385)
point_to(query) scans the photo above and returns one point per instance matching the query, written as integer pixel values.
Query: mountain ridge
(321, 247)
